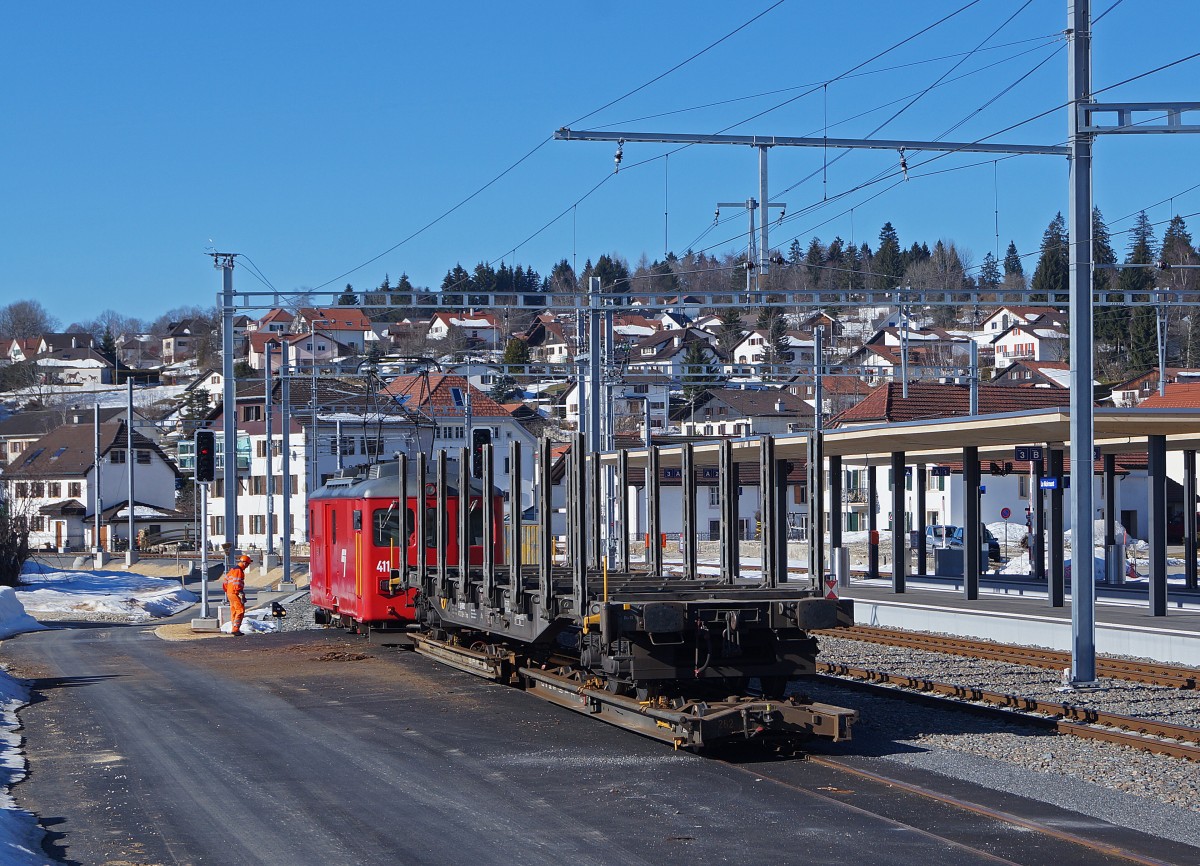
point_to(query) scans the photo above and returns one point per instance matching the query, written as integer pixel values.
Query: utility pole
(752, 206)
(130, 553)
(285, 419)
(268, 349)
(224, 263)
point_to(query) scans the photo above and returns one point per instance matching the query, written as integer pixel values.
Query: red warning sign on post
(831, 587)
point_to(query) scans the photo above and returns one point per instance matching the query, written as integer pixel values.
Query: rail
(1160, 738)
(1149, 673)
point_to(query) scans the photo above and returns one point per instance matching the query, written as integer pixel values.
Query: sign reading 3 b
(1027, 453)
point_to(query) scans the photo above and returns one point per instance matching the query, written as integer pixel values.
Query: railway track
(1149, 673)
(1161, 738)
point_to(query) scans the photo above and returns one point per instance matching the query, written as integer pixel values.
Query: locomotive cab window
(476, 522)
(431, 534)
(386, 523)
(357, 521)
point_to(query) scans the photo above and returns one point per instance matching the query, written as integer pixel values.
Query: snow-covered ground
(78, 594)
(69, 594)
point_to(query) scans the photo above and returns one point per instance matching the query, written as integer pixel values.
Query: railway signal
(481, 437)
(206, 455)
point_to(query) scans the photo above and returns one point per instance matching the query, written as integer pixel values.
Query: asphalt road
(314, 748)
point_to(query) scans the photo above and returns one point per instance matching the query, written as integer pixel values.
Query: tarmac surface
(314, 747)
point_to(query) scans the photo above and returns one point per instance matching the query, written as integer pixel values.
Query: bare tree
(25, 319)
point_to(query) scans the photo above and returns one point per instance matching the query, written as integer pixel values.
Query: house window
(456, 395)
(143, 457)
(21, 490)
(116, 456)
(714, 496)
(1023, 486)
(36, 489)
(260, 448)
(252, 413)
(258, 524)
(75, 489)
(216, 525)
(37, 523)
(54, 489)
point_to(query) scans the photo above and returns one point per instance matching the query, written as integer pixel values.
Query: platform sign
(672, 473)
(831, 588)
(1048, 483)
(939, 471)
(1005, 513)
(1027, 453)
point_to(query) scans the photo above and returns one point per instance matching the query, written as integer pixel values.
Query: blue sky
(313, 136)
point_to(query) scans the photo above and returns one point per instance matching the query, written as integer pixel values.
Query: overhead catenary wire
(842, 75)
(538, 147)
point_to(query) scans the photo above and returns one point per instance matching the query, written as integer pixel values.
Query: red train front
(355, 537)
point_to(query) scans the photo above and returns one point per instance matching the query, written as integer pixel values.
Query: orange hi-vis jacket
(234, 580)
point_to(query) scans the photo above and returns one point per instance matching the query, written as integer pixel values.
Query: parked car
(986, 537)
(941, 535)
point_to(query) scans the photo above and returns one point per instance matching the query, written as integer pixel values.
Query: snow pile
(252, 625)
(13, 618)
(134, 596)
(20, 835)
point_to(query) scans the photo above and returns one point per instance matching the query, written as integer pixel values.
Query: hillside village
(360, 389)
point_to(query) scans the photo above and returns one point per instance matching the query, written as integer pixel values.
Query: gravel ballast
(1129, 787)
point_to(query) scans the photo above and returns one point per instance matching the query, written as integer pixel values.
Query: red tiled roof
(927, 400)
(431, 393)
(1178, 396)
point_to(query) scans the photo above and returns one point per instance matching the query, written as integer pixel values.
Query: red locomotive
(356, 543)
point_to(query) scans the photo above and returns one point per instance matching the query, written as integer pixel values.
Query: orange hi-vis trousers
(237, 610)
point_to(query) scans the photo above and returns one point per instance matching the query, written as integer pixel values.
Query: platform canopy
(1116, 431)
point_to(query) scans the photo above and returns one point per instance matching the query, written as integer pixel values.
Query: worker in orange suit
(234, 584)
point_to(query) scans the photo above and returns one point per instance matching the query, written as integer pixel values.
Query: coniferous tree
(1052, 275)
(731, 332)
(852, 278)
(887, 264)
(1014, 271)
(699, 373)
(1177, 250)
(347, 297)
(1109, 323)
(455, 285)
(989, 274)
(795, 253)
(1134, 284)
(814, 261)
(404, 293)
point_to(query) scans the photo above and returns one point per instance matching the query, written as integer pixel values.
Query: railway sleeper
(686, 722)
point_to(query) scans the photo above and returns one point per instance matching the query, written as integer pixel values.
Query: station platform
(1015, 611)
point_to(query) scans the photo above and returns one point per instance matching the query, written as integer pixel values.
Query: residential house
(549, 343)
(927, 401)
(632, 399)
(179, 342)
(348, 326)
(1004, 318)
(16, 349)
(1030, 343)
(53, 483)
(352, 427)
(1133, 392)
(479, 329)
(1035, 374)
(74, 367)
(664, 353)
(742, 413)
(456, 409)
(748, 357)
